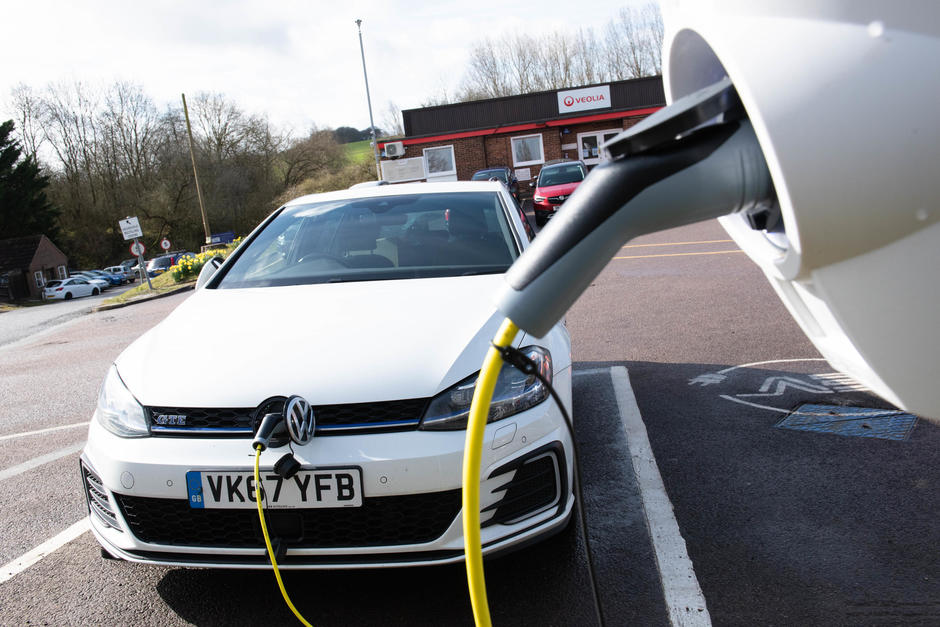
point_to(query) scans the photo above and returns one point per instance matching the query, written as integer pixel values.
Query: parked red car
(556, 182)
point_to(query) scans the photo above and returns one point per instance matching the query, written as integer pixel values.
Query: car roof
(558, 164)
(401, 190)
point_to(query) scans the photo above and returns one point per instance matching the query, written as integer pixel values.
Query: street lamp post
(375, 143)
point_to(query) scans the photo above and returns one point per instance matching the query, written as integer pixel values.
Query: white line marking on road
(40, 431)
(772, 361)
(685, 602)
(12, 569)
(12, 471)
(738, 400)
(591, 371)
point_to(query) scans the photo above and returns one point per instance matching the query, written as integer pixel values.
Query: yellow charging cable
(473, 451)
(267, 539)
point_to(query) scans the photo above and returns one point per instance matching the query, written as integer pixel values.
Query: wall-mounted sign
(523, 174)
(583, 99)
(401, 170)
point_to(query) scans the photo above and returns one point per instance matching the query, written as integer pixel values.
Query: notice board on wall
(401, 170)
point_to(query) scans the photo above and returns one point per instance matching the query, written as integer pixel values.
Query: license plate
(320, 488)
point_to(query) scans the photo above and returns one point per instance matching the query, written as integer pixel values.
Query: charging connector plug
(269, 425)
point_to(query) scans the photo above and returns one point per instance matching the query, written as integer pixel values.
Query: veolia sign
(583, 99)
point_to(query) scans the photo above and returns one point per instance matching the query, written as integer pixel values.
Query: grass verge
(161, 284)
(357, 152)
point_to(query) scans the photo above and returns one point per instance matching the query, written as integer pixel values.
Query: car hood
(557, 190)
(330, 343)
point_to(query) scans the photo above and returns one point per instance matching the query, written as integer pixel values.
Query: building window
(62, 273)
(527, 150)
(37, 276)
(440, 161)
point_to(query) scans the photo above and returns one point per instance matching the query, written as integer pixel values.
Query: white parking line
(685, 602)
(15, 567)
(41, 431)
(35, 462)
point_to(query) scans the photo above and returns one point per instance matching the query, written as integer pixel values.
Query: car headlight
(118, 411)
(538, 198)
(515, 392)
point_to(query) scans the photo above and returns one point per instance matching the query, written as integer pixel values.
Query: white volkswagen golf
(374, 307)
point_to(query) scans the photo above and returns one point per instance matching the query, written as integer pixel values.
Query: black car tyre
(68, 296)
(95, 291)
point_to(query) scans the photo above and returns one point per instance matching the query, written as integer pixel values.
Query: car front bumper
(139, 503)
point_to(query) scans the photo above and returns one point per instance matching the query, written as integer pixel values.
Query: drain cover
(859, 422)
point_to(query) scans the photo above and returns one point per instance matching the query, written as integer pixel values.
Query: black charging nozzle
(269, 424)
(695, 159)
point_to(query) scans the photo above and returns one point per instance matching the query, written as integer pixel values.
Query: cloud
(297, 62)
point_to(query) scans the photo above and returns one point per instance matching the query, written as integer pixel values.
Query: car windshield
(369, 239)
(559, 175)
(485, 175)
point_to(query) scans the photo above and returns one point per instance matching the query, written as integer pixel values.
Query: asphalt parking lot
(687, 369)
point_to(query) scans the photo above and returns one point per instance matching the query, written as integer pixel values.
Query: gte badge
(166, 420)
(301, 422)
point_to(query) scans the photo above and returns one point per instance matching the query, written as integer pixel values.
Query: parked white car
(374, 307)
(98, 282)
(67, 289)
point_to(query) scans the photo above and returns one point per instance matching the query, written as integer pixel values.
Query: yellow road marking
(717, 252)
(713, 241)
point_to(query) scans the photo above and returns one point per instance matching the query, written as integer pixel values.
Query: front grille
(381, 521)
(97, 498)
(399, 415)
(557, 200)
(534, 488)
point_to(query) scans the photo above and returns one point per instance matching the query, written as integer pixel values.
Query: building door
(589, 145)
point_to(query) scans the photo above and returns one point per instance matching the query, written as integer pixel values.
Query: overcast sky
(297, 62)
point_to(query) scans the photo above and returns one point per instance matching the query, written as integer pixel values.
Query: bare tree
(631, 47)
(28, 107)
(653, 22)
(392, 120)
(113, 154)
(634, 42)
(221, 124)
(315, 154)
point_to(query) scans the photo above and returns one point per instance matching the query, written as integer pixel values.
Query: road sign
(165, 244)
(137, 249)
(130, 227)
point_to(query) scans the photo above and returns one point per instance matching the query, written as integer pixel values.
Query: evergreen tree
(24, 207)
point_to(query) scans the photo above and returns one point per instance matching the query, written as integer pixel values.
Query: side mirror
(532, 184)
(208, 270)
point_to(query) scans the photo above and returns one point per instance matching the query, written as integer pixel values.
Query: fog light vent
(97, 498)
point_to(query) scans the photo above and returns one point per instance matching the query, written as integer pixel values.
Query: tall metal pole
(192, 155)
(375, 143)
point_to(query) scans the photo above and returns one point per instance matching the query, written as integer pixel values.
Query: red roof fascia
(527, 127)
(603, 116)
(486, 131)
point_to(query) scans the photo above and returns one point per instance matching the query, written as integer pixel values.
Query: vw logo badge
(301, 423)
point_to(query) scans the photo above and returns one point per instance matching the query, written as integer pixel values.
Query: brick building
(27, 264)
(451, 142)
